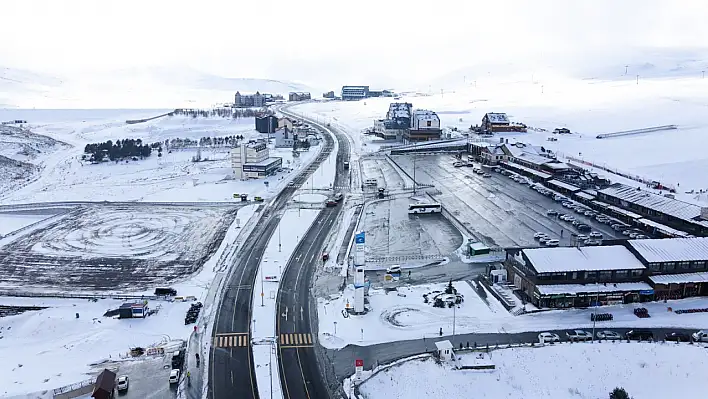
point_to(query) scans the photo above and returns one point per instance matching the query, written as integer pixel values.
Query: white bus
(425, 208)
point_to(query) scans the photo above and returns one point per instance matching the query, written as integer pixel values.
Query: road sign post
(359, 364)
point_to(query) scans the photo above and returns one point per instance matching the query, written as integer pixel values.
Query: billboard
(359, 238)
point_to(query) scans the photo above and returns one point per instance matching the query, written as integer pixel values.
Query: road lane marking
(231, 340)
(296, 340)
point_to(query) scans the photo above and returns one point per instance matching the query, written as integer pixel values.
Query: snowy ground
(173, 177)
(645, 370)
(391, 231)
(404, 315)
(69, 346)
(50, 348)
(107, 247)
(293, 226)
(13, 222)
(587, 107)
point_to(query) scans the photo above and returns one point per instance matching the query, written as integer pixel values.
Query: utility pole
(626, 69)
(637, 79)
(270, 366)
(703, 74)
(454, 311)
(541, 89)
(414, 157)
(262, 290)
(279, 245)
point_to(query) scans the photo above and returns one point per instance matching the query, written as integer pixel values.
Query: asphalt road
(388, 352)
(497, 209)
(232, 374)
(296, 325)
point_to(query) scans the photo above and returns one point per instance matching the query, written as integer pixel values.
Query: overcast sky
(337, 42)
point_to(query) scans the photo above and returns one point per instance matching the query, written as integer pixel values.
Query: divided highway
(296, 324)
(232, 374)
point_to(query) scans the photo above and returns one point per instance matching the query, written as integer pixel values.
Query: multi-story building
(252, 161)
(354, 92)
(298, 96)
(249, 100)
(329, 94)
(425, 126)
(399, 115)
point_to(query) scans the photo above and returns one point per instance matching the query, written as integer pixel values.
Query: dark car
(643, 335)
(331, 203)
(677, 336)
(583, 227)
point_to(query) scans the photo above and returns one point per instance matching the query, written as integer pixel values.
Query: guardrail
(29, 294)
(637, 131)
(134, 121)
(73, 387)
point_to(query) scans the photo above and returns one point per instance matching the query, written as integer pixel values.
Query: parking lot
(392, 232)
(498, 210)
(379, 168)
(148, 378)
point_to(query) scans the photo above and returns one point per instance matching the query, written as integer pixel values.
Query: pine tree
(619, 393)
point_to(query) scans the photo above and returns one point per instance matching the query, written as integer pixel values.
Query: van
(338, 197)
(174, 376)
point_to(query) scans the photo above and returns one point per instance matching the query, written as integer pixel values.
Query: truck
(346, 165)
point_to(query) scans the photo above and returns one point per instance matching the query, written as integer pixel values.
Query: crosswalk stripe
(296, 339)
(230, 340)
(309, 339)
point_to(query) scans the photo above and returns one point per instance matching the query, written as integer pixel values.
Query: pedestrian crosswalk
(295, 340)
(230, 340)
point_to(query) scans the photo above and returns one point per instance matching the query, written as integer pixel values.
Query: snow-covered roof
(585, 196)
(624, 212)
(399, 110)
(659, 203)
(572, 259)
(442, 345)
(557, 289)
(533, 158)
(662, 228)
(424, 115)
(566, 186)
(672, 249)
(700, 277)
(478, 245)
(497, 117)
(527, 170)
(557, 165)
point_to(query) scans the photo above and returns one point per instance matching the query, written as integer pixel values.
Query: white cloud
(331, 42)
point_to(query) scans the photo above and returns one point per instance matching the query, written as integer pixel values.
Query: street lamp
(335, 328)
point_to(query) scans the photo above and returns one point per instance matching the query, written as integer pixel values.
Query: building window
(591, 275)
(621, 274)
(668, 266)
(696, 265)
(605, 275)
(429, 123)
(574, 276)
(636, 273)
(655, 266)
(684, 265)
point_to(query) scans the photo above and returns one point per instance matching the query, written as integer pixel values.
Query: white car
(700, 336)
(582, 237)
(393, 269)
(486, 175)
(578, 335)
(545, 337)
(543, 239)
(596, 234)
(552, 243)
(611, 335)
(291, 184)
(122, 384)
(174, 376)
(539, 235)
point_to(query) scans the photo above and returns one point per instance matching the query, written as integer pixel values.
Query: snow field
(402, 315)
(14, 222)
(170, 178)
(291, 229)
(50, 348)
(560, 371)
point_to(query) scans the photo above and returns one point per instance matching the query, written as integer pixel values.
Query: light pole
(335, 328)
(454, 311)
(279, 245)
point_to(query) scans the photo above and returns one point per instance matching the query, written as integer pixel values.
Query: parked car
(174, 376)
(122, 384)
(700, 336)
(539, 235)
(486, 175)
(644, 335)
(551, 212)
(583, 227)
(677, 336)
(552, 242)
(578, 335)
(582, 237)
(394, 269)
(627, 232)
(592, 243)
(338, 197)
(291, 184)
(596, 234)
(589, 213)
(640, 237)
(545, 337)
(543, 239)
(576, 222)
(611, 335)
